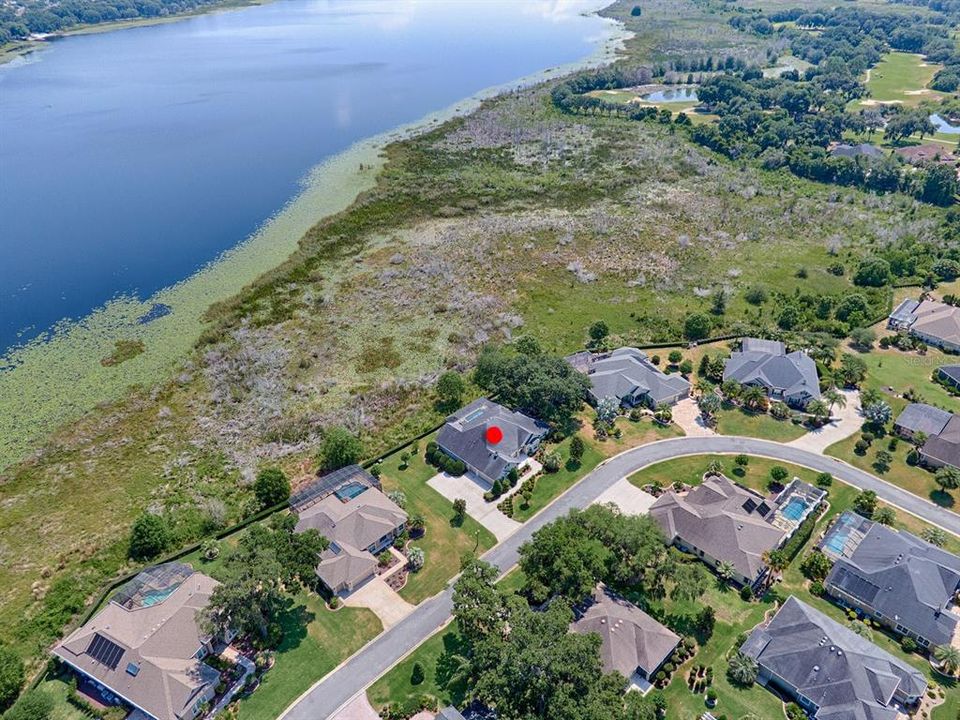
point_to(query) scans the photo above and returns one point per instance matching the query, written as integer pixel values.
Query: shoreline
(25, 48)
(58, 377)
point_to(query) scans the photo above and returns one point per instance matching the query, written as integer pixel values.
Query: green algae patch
(123, 350)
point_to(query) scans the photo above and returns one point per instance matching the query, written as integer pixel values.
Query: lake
(943, 126)
(130, 159)
(672, 95)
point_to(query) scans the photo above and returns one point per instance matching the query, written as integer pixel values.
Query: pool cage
(152, 586)
(331, 483)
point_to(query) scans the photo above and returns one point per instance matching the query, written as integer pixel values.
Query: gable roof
(920, 417)
(724, 519)
(767, 363)
(945, 446)
(627, 372)
(847, 676)
(908, 580)
(450, 713)
(465, 436)
(630, 638)
(142, 645)
(937, 320)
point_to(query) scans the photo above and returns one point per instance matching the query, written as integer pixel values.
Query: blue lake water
(668, 95)
(943, 126)
(130, 159)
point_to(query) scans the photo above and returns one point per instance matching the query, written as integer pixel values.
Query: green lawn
(444, 543)
(897, 75)
(315, 641)
(732, 420)
(62, 709)
(904, 371)
(550, 485)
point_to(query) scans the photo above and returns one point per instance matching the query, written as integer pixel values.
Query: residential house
(893, 578)
(920, 418)
(942, 447)
(145, 648)
(931, 153)
(450, 713)
(935, 323)
(628, 375)
(855, 151)
(790, 377)
(464, 437)
(632, 642)
(949, 375)
(831, 672)
(360, 522)
(721, 521)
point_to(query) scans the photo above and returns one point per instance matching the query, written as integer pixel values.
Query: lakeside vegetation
(518, 219)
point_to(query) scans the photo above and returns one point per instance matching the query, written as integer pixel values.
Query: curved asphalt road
(378, 656)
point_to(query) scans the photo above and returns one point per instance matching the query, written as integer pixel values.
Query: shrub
(33, 705)
(12, 674)
(824, 479)
(908, 645)
(417, 676)
(551, 463)
(675, 356)
(697, 326)
(817, 589)
(746, 593)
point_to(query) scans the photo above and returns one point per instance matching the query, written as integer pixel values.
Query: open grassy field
(732, 420)
(444, 543)
(901, 78)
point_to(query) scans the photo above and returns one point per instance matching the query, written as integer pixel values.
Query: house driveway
(486, 513)
(357, 709)
(630, 499)
(386, 604)
(686, 414)
(847, 421)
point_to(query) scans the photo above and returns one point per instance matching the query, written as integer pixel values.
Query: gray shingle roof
(626, 372)
(714, 518)
(853, 151)
(631, 639)
(903, 314)
(945, 447)
(464, 436)
(919, 417)
(450, 713)
(766, 363)
(847, 676)
(951, 372)
(156, 668)
(903, 577)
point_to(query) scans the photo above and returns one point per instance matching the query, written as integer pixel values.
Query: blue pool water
(794, 509)
(349, 492)
(837, 539)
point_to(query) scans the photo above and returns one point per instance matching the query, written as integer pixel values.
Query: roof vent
(816, 668)
(839, 653)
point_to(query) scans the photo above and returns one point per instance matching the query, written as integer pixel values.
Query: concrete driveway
(846, 421)
(686, 414)
(357, 709)
(630, 499)
(486, 513)
(386, 604)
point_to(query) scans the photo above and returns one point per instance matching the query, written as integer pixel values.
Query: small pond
(674, 94)
(943, 126)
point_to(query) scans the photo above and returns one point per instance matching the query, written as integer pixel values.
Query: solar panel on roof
(105, 651)
(763, 509)
(856, 585)
(749, 505)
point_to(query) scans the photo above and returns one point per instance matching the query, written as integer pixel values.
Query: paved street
(321, 701)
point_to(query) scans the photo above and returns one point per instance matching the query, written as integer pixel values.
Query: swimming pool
(350, 491)
(794, 509)
(836, 539)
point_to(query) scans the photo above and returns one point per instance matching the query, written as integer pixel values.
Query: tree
(561, 559)
(872, 272)
(543, 386)
(948, 478)
(885, 516)
(863, 338)
(709, 404)
(824, 479)
(663, 413)
(417, 676)
(271, 487)
(675, 356)
(697, 326)
(417, 524)
(878, 413)
(742, 670)
(949, 658)
(835, 398)
(938, 185)
(607, 410)
(754, 398)
(726, 571)
(12, 675)
(690, 582)
(635, 11)
(479, 607)
(149, 537)
(577, 448)
(778, 474)
(340, 448)
(816, 566)
(415, 558)
(398, 498)
(450, 389)
(459, 511)
(742, 460)
(598, 332)
(776, 560)
(882, 461)
(852, 370)
(934, 536)
(715, 467)
(865, 503)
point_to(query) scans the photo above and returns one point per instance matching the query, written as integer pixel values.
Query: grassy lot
(732, 420)
(315, 641)
(634, 433)
(898, 76)
(904, 371)
(62, 709)
(444, 543)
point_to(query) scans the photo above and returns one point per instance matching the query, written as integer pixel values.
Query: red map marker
(494, 435)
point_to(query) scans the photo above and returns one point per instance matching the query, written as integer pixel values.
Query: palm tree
(742, 670)
(726, 571)
(776, 560)
(835, 397)
(754, 397)
(819, 409)
(949, 658)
